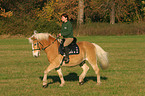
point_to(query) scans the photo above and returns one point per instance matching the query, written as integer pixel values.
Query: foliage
(125, 10)
(46, 12)
(42, 25)
(53, 9)
(129, 11)
(26, 19)
(143, 9)
(22, 20)
(65, 6)
(22, 17)
(5, 14)
(15, 26)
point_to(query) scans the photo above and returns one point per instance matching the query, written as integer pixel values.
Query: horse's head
(41, 41)
(35, 46)
(35, 40)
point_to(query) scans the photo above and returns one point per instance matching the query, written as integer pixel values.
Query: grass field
(21, 74)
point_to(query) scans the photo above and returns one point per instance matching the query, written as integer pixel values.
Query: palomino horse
(88, 51)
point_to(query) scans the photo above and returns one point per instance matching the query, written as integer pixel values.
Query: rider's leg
(66, 43)
(66, 54)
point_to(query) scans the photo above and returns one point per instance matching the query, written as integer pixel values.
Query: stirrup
(66, 60)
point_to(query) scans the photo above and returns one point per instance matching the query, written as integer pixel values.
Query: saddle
(73, 47)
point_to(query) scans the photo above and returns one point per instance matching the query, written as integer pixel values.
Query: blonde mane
(41, 36)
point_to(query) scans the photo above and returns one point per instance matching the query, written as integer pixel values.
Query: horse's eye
(35, 44)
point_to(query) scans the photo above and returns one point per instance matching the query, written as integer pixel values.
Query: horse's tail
(102, 56)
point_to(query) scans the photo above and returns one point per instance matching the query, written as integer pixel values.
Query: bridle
(42, 45)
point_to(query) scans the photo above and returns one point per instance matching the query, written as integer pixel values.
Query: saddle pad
(73, 49)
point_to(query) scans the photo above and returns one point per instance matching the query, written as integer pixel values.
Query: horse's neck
(51, 39)
(52, 49)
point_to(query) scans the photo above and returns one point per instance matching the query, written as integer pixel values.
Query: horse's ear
(30, 39)
(33, 38)
(35, 31)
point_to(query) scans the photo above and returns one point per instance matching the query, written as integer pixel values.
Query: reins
(46, 46)
(49, 44)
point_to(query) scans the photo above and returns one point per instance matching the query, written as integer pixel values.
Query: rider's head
(64, 17)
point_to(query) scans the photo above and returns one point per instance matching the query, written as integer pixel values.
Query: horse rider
(67, 33)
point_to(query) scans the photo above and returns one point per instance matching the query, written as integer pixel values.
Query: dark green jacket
(67, 30)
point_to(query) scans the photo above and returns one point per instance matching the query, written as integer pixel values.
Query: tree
(80, 19)
(143, 9)
(112, 13)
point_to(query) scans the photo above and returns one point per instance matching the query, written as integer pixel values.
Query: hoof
(45, 86)
(81, 83)
(61, 85)
(99, 83)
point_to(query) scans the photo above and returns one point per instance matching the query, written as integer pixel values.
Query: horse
(89, 52)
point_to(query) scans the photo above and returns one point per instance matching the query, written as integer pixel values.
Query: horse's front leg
(55, 64)
(49, 68)
(61, 77)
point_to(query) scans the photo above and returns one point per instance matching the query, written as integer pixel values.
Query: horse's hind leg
(82, 76)
(92, 59)
(97, 71)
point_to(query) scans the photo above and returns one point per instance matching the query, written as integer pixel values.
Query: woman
(67, 33)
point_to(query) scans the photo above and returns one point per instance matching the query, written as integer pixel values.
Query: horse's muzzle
(36, 54)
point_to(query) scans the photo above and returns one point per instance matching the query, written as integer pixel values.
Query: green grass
(21, 74)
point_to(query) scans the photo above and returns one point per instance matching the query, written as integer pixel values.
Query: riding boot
(66, 54)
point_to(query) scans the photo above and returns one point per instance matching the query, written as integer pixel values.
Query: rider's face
(63, 19)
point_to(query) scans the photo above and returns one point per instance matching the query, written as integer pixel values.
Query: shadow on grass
(72, 77)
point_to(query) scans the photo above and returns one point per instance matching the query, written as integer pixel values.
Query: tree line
(21, 17)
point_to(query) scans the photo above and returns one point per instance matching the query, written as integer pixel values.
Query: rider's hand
(59, 35)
